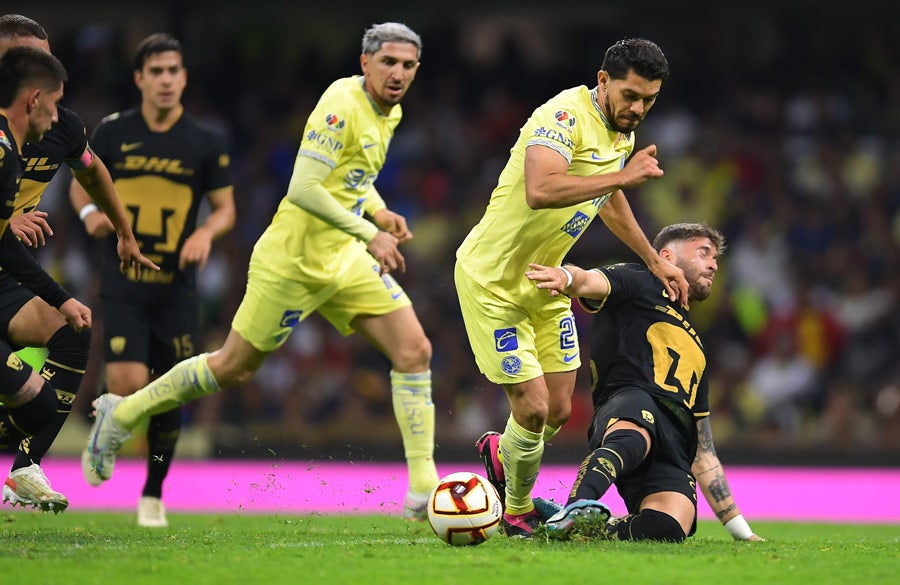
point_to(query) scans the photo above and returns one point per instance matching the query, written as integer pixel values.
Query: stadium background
(778, 125)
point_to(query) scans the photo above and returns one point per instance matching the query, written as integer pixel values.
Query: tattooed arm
(712, 482)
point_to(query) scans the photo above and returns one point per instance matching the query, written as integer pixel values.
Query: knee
(531, 414)
(69, 346)
(414, 356)
(559, 415)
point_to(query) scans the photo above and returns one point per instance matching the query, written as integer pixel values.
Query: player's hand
(394, 224)
(31, 228)
(641, 166)
(77, 315)
(383, 248)
(97, 225)
(196, 249)
(673, 279)
(552, 279)
(130, 257)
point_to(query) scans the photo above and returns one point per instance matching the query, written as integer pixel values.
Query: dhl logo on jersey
(38, 164)
(154, 164)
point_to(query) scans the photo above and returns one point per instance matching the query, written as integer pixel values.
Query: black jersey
(10, 173)
(65, 142)
(641, 339)
(161, 178)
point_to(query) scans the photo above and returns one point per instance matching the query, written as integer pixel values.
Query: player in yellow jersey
(570, 163)
(320, 253)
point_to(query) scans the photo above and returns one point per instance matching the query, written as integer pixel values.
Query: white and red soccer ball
(464, 509)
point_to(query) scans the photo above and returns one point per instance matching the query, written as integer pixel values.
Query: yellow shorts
(513, 344)
(273, 305)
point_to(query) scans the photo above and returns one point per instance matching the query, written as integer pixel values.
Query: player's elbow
(537, 199)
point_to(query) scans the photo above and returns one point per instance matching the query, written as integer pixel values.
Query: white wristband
(568, 276)
(87, 210)
(738, 528)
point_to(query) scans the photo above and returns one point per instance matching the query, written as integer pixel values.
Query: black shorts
(158, 332)
(13, 297)
(667, 467)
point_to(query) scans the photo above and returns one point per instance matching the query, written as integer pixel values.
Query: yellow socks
(522, 451)
(550, 432)
(414, 411)
(186, 381)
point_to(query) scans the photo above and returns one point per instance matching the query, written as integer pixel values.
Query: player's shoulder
(635, 276)
(7, 144)
(69, 120)
(345, 95)
(572, 97)
(9, 154)
(119, 119)
(200, 125)
(200, 132)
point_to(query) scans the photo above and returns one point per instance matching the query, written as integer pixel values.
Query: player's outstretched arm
(712, 482)
(569, 280)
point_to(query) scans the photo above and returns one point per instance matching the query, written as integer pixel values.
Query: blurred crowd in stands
(781, 129)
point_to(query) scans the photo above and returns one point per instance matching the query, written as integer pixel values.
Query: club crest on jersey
(506, 340)
(564, 119)
(5, 141)
(511, 365)
(334, 123)
(576, 225)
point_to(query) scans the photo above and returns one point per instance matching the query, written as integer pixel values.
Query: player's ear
(32, 95)
(667, 254)
(602, 79)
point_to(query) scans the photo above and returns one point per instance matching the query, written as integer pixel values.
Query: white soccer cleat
(104, 441)
(416, 506)
(151, 513)
(28, 486)
(87, 469)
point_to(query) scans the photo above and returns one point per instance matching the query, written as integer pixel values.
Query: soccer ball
(464, 509)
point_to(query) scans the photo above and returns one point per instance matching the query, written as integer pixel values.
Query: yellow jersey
(510, 234)
(349, 133)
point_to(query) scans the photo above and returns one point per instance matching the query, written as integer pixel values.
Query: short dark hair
(683, 232)
(643, 56)
(155, 43)
(26, 66)
(16, 25)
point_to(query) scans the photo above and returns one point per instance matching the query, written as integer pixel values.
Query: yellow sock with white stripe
(522, 451)
(186, 381)
(414, 411)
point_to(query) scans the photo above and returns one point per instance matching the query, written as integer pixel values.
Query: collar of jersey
(596, 102)
(362, 84)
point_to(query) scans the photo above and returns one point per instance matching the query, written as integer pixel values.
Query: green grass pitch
(108, 548)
